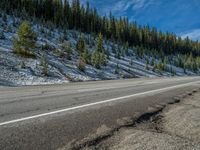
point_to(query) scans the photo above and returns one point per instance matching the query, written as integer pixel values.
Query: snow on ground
(16, 71)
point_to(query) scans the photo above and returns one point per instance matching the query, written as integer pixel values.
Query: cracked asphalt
(176, 127)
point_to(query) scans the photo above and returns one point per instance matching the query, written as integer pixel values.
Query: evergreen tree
(102, 59)
(126, 46)
(113, 49)
(153, 62)
(80, 44)
(118, 55)
(184, 68)
(100, 47)
(67, 49)
(160, 66)
(81, 64)
(122, 51)
(96, 59)
(108, 54)
(131, 62)
(117, 69)
(26, 41)
(147, 64)
(45, 68)
(86, 56)
(194, 66)
(98, 56)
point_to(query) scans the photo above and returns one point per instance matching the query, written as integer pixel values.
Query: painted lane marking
(96, 103)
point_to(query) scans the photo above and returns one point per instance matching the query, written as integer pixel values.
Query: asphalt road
(50, 117)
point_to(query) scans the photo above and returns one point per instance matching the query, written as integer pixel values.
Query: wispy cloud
(118, 7)
(137, 4)
(123, 7)
(193, 34)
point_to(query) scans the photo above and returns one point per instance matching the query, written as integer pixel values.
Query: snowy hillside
(16, 70)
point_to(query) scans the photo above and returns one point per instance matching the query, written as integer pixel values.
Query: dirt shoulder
(177, 126)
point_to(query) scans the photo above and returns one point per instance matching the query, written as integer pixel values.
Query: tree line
(66, 15)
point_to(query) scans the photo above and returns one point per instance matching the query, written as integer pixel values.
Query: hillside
(17, 70)
(55, 41)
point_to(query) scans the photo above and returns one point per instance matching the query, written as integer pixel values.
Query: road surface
(50, 117)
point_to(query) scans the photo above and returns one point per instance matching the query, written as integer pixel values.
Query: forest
(73, 15)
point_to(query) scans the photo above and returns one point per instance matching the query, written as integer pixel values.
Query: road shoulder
(177, 126)
(173, 126)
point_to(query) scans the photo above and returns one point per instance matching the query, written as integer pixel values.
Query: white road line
(96, 103)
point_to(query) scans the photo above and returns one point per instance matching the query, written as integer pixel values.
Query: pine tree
(118, 55)
(86, 56)
(117, 69)
(160, 66)
(108, 54)
(26, 42)
(102, 58)
(152, 61)
(81, 64)
(113, 49)
(126, 48)
(64, 35)
(98, 56)
(80, 44)
(184, 69)
(96, 59)
(45, 68)
(131, 62)
(67, 49)
(147, 64)
(140, 52)
(100, 47)
(122, 51)
(194, 66)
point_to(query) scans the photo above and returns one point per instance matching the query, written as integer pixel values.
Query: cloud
(123, 5)
(193, 34)
(119, 6)
(137, 4)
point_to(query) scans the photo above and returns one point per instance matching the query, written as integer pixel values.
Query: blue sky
(179, 16)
